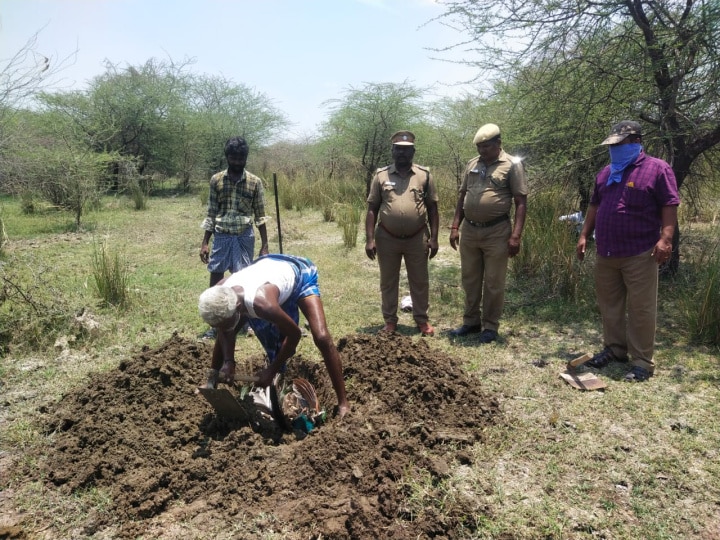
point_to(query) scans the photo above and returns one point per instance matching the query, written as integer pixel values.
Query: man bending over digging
(267, 295)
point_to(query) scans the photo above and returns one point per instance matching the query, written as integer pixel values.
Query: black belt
(488, 223)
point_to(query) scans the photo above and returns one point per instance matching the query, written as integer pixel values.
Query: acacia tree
(361, 123)
(453, 123)
(221, 109)
(129, 111)
(22, 76)
(54, 164)
(166, 119)
(669, 83)
(558, 114)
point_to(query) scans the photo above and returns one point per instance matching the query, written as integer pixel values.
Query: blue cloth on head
(621, 156)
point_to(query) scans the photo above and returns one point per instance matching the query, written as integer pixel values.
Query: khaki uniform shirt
(489, 191)
(402, 200)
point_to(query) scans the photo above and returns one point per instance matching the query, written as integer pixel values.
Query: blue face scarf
(622, 155)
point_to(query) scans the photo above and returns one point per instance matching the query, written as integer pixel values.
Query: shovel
(581, 381)
(227, 406)
(225, 403)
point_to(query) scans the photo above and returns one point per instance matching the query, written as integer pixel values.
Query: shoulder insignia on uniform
(385, 168)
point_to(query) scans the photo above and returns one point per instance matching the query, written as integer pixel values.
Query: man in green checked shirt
(236, 201)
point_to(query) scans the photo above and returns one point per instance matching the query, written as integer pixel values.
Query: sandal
(637, 374)
(488, 336)
(603, 358)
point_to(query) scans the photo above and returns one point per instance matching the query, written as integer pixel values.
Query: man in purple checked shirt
(633, 211)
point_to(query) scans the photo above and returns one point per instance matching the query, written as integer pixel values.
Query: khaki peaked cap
(485, 133)
(403, 138)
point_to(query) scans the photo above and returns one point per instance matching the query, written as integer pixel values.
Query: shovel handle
(575, 362)
(247, 378)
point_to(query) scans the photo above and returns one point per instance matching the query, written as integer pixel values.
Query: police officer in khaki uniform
(402, 202)
(481, 226)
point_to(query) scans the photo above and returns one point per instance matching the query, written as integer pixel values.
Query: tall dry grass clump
(110, 272)
(348, 219)
(138, 195)
(702, 306)
(547, 252)
(3, 234)
(319, 193)
(289, 194)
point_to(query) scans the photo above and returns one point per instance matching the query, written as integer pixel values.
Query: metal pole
(277, 210)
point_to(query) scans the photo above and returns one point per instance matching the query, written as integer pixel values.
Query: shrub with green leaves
(203, 195)
(28, 202)
(32, 313)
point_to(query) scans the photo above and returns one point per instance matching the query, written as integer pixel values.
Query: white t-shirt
(251, 278)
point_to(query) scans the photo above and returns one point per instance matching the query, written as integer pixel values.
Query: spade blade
(224, 403)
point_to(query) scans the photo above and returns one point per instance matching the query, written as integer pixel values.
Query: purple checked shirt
(628, 213)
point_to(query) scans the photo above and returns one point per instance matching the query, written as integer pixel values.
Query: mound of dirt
(142, 433)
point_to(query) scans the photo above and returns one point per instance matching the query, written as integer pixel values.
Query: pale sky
(300, 53)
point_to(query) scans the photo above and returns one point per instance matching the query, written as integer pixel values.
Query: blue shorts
(306, 282)
(231, 252)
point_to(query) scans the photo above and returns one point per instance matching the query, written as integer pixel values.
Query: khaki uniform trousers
(390, 252)
(483, 263)
(626, 290)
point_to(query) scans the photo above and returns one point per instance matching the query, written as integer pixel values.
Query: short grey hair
(217, 304)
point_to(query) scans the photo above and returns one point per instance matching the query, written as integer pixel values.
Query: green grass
(633, 462)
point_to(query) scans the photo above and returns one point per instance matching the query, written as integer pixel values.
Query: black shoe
(465, 329)
(603, 358)
(488, 336)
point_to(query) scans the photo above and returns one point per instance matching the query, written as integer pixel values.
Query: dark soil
(142, 433)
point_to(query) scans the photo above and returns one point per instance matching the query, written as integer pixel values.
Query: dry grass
(633, 462)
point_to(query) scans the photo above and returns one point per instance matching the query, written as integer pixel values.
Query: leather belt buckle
(485, 224)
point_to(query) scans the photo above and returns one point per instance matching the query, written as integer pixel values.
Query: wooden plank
(583, 381)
